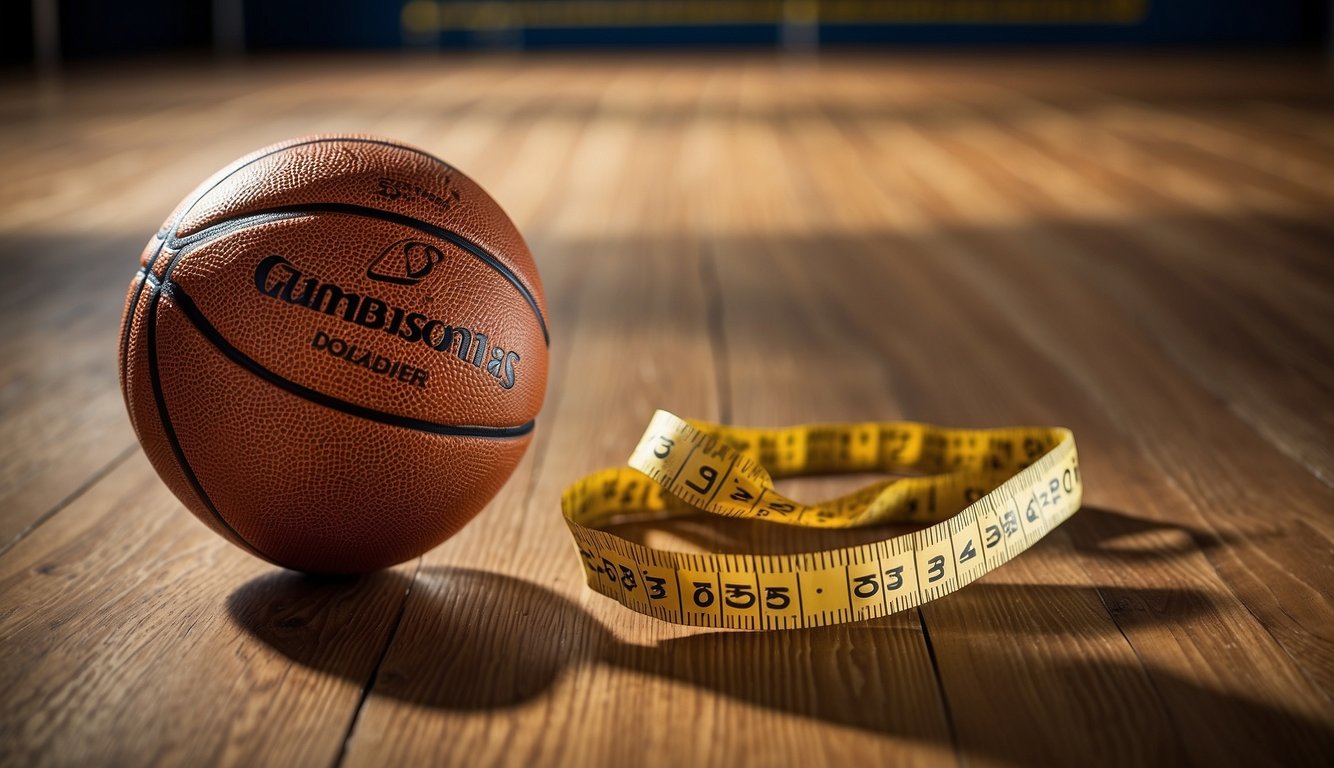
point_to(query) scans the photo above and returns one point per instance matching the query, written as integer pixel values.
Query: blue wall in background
(375, 24)
(91, 28)
(323, 23)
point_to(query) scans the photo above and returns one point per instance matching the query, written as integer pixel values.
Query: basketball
(334, 352)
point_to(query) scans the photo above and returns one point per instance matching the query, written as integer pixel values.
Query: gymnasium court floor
(1135, 246)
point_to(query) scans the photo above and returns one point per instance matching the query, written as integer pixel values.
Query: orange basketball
(334, 351)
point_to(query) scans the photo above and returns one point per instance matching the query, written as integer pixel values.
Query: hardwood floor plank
(125, 640)
(1135, 247)
(1144, 388)
(1024, 665)
(1198, 293)
(930, 314)
(61, 413)
(506, 594)
(1025, 279)
(1122, 579)
(786, 364)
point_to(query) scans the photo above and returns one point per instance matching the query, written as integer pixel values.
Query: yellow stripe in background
(419, 16)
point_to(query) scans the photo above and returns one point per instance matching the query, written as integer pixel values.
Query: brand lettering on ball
(280, 279)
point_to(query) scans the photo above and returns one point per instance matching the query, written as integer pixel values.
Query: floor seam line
(374, 676)
(87, 485)
(940, 688)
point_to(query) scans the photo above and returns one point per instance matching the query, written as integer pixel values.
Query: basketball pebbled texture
(334, 351)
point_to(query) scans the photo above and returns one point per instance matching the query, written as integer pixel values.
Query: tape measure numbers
(990, 493)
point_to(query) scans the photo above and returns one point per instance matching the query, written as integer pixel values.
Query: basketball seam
(129, 321)
(167, 237)
(447, 234)
(170, 431)
(201, 323)
(171, 230)
(253, 218)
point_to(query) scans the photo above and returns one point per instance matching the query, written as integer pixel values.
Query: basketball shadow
(472, 640)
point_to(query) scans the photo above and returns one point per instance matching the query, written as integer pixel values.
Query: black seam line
(322, 140)
(170, 431)
(196, 317)
(130, 312)
(170, 229)
(422, 226)
(453, 237)
(228, 226)
(96, 477)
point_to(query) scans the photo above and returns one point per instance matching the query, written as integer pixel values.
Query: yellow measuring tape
(990, 493)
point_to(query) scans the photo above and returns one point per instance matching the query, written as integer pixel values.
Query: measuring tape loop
(988, 494)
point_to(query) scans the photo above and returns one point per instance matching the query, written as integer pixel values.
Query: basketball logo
(405, 262)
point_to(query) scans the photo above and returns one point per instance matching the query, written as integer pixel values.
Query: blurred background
(44, 33)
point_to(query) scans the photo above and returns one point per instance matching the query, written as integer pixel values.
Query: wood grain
(1138, 248)
(131, 634)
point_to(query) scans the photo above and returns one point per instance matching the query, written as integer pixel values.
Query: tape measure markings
(843, 584)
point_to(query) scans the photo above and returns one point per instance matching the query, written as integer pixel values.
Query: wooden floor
(1138, 247)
